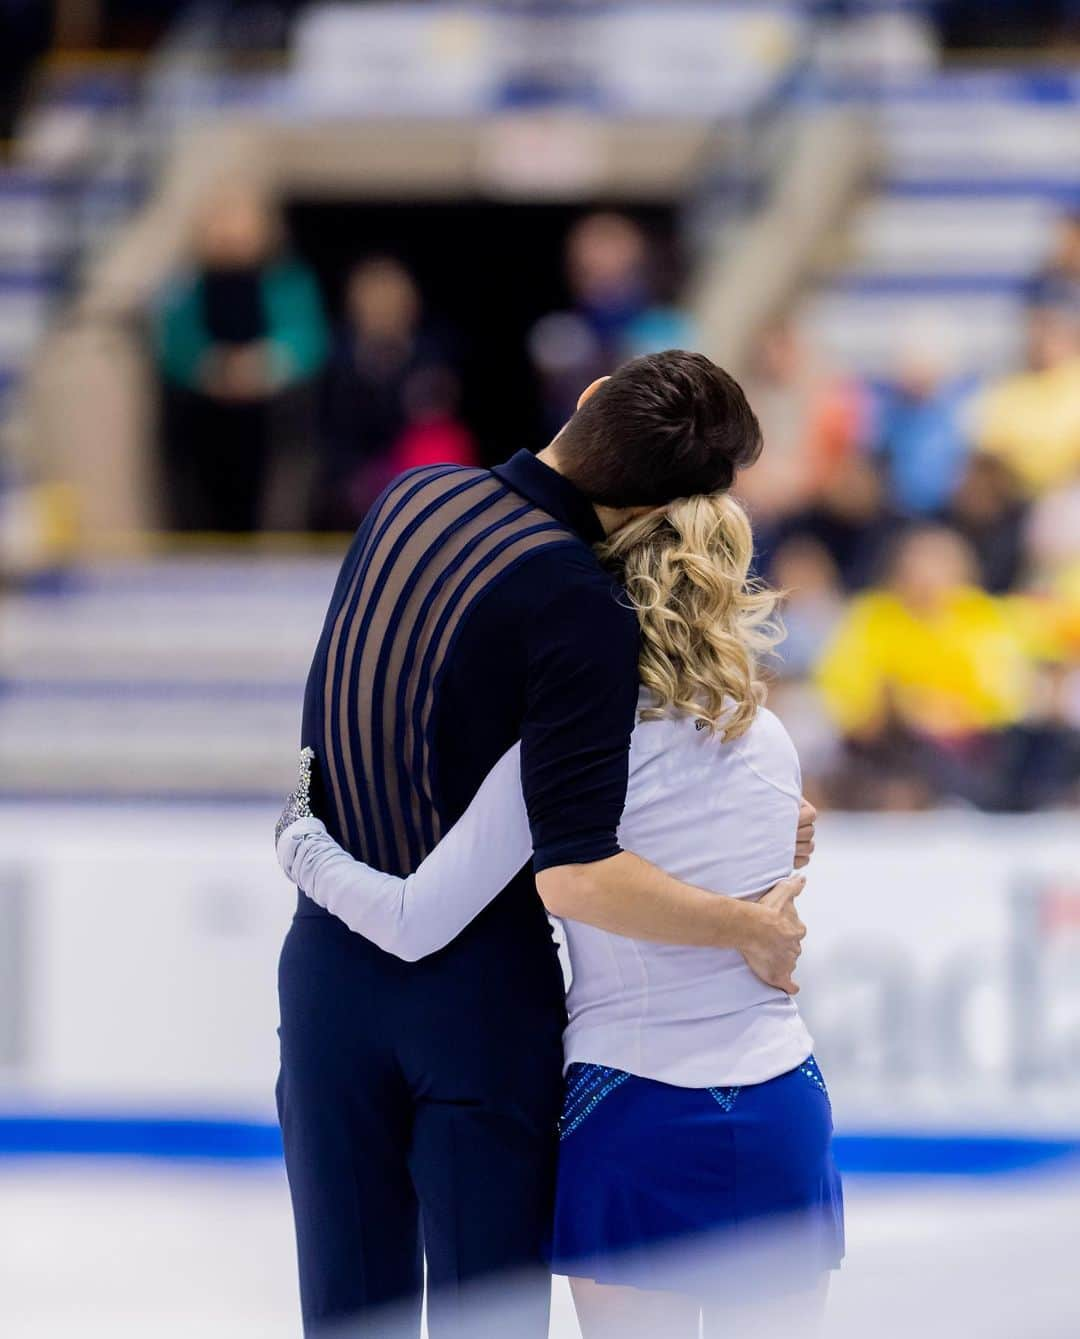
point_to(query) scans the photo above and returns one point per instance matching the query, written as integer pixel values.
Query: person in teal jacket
(240, 338)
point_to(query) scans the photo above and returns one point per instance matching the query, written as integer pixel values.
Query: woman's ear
(591, 389)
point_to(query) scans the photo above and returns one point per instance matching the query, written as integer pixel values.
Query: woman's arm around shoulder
(418, 915)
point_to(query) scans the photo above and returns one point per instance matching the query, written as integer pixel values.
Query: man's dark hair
(664, 426)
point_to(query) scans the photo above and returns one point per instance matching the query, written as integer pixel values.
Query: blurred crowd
(926, 525)
(256, 378)
(927, 528)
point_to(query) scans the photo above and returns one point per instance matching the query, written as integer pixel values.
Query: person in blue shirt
(923, 434)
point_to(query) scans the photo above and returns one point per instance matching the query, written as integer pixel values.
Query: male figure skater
(419, 1101)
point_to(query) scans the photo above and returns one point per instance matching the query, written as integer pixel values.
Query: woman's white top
(720, 816)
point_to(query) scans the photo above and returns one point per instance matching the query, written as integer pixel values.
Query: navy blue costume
(419, 1102)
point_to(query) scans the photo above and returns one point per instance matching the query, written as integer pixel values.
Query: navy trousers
(419, 1105)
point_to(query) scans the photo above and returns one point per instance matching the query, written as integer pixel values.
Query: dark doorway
(487, 270)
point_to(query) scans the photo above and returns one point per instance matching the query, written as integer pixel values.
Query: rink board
(941, 977)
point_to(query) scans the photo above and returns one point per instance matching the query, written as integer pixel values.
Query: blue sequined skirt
(723, 1191)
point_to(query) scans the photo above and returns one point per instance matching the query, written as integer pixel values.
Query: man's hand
(778, 935)
(804, 834)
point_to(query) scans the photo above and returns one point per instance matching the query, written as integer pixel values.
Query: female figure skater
(695, 1179)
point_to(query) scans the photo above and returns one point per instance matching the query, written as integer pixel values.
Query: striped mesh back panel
(435, 543)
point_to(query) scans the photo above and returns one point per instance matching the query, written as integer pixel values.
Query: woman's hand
(804, 834)
(775, 951)
(298, 804)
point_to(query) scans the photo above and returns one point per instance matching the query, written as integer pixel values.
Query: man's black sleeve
(580, 709)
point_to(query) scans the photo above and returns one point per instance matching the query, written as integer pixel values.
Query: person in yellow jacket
(1031, 420)
(928, 650)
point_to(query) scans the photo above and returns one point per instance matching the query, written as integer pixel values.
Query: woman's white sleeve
(412, 917)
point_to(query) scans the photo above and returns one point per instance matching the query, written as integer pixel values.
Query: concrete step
(175, 677)
(980, 139)
(128, 743)
(948, 236)
(198, 620)
(865, 333)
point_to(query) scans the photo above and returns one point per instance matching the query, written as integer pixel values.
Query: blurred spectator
(390, 394)
(1041, 756)
(1053, 335)
(614, 316)
(1058, 283)
(1048, 612)
(926, 671)
(989, 510)
(812, 420)
(853, 519)
(813, 601)
(1052, 539)
(921, 429)
(1032, 420)
(433, 432)
(238, 338)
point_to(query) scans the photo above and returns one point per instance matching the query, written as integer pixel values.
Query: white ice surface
(148, 1251)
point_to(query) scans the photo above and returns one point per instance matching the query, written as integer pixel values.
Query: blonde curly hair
(704, 621)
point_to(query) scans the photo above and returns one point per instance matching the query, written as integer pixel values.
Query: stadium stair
(167, 678)
(67, 185)
(977, 167)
